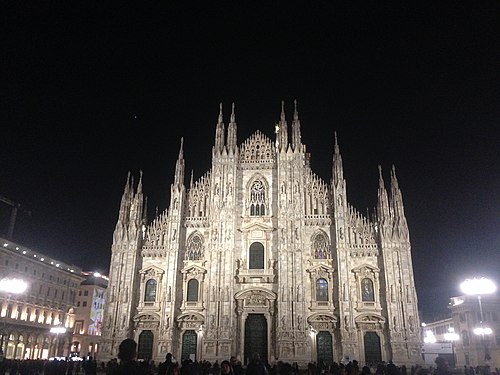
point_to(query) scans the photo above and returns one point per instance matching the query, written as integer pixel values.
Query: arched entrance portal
(373, 352)
(324, 343)
(189, 345)
(256, 337)
(145, 346)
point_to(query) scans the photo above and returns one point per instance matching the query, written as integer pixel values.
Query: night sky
(90, 91)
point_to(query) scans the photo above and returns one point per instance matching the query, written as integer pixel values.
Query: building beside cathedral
(262, 255)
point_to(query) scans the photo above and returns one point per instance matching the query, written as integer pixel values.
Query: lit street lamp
(10, 286)
(478, 287)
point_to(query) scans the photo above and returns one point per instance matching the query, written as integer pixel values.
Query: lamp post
(452, 337)
(478, 287)
(10, 286)
(57, 331)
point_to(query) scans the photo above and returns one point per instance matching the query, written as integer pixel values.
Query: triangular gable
(193, 268)
(152, 270)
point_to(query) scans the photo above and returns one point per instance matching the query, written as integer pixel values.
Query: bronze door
(325, 348)
(255, 337)
(189, 343)
(145, 345)
(373, 353)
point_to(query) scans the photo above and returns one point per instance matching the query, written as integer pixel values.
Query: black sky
(92, 90)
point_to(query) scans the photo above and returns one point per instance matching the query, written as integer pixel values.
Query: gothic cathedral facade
(261, 255)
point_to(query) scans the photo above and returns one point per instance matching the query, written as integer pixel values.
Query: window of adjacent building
(84, 304)
(78, 304)
(367, 294)
(150, 292)
(86, 293)
(321, 290)
(79, 293)
(256, 256)
(257, 199)
(192, 290)
(320, 246)
(78, 326)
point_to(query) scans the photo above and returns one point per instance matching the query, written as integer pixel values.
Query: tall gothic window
(256, 256)
(195, 247)
(320, 247)
(321, 290)
(150, 292)
(192, 290)
(257, 199)
(367, 290)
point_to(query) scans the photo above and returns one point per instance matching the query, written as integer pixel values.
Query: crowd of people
(127, 364)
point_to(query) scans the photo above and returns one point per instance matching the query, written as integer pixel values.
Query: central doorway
(373, 353)
(189, 345)
(256, 337)
(325, 348)
(145, 345)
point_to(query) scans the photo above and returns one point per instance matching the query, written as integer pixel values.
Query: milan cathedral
(261, 255)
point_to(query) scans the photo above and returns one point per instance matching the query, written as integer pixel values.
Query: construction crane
(13, 214)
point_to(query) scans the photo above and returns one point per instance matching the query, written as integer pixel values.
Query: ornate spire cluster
(221, 146)
(390, 209)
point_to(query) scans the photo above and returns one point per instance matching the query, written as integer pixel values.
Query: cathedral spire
(282, 130)
(125, 203)
(179, 166)
(396, 197)
(296, 137)
(231, 133)
(191, 181)
(136, 208)
(337, 170)
(383, 202)
(219, 133)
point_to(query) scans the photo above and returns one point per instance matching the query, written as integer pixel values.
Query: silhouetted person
(441, 366)
(165, 368)
(127, 354)
(256, 367)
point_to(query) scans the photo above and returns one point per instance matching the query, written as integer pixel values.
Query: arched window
(256, 256)
(150, 292)
(320, 247)
(192, 292)
(321, 290)
(257, 199)
(367, 294)
(195, 247)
